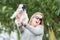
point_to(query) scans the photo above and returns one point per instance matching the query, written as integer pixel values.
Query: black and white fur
(24, 16)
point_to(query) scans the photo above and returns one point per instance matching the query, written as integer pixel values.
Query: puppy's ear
(24, 6)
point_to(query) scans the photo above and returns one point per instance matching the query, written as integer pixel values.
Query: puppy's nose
(24, 7)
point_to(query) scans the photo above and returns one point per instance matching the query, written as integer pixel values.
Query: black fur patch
(24, 7)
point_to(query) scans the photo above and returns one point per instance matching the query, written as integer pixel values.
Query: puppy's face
(22, 6)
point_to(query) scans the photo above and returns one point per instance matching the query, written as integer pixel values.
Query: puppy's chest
(23, 15)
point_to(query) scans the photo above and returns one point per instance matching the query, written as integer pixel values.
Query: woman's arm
(36, 31)
(18, 23)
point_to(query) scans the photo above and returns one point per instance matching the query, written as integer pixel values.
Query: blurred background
(49, 8)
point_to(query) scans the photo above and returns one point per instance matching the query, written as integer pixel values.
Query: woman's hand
(23, 23)
(20, 23)
(19, 14)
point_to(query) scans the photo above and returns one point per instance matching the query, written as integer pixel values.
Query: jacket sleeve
(35, 31)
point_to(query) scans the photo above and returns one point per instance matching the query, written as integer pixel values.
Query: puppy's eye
(24, 7)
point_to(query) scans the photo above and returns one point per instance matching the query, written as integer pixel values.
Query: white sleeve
(36, 31)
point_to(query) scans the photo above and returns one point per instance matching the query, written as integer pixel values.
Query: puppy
(24, 17)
